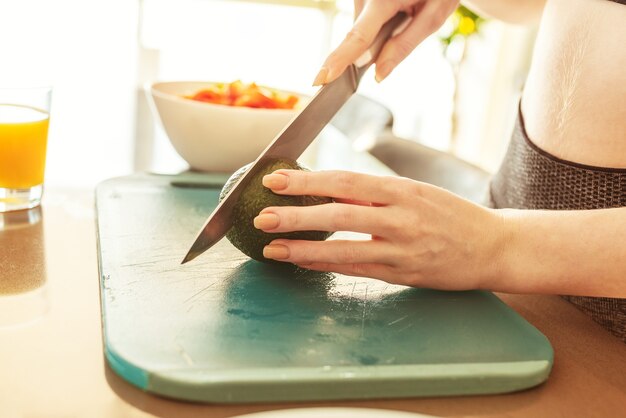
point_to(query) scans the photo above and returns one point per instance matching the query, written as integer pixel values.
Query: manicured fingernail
(382, 70)
(266, 221)
(321, 77)
(276, 181)
(276, 252)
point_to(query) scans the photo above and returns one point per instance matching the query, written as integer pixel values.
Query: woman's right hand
(426, 17)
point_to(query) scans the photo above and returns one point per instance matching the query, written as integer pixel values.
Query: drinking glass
(24, 118)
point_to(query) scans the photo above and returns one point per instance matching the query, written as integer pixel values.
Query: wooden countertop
(51, 362)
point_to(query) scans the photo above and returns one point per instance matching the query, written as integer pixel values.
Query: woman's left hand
(421, 235)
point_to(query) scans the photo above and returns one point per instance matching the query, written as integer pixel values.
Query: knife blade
(295, 137)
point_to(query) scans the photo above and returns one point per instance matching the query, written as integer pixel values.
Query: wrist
(504, 252)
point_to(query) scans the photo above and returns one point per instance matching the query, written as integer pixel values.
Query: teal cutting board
(224, 328)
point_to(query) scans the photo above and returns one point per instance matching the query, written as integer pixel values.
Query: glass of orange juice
(24, 118)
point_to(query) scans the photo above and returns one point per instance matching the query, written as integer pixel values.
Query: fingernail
(321, 77)
(266, 221)
(383, 70)
(276, 252)
(276, 181)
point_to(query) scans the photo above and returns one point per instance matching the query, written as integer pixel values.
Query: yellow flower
(467, 26)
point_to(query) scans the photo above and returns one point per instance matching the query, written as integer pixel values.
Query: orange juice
(23, 140)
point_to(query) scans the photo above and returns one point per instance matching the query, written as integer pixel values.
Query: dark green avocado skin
(256, 197)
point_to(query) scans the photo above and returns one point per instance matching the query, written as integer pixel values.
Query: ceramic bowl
(214, 137)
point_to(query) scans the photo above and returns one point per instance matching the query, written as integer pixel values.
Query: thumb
(424, 23)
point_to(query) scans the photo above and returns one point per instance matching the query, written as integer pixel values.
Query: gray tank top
(530, 178)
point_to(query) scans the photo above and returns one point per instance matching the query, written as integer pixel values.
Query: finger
(367, 25)
(371, 270)
(358, 8)
(335, 184)
(425, 21)
(332, 251)
(330, 217)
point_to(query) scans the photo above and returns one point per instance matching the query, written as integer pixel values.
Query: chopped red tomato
(248, 95)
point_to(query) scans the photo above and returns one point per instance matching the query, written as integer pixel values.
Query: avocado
(256, 197)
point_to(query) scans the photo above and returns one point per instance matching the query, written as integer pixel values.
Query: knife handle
(369, 57)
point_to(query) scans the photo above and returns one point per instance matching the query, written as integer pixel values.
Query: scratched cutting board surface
(225, 328)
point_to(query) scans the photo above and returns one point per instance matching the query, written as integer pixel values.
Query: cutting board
(225, 328)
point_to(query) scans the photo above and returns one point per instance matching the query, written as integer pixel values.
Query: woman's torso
(568, 148)
(574, 103)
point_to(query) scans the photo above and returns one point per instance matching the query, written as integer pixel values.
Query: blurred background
(457, 92)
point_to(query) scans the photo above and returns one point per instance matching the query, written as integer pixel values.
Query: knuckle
(405, 228)
(300, 182)
(358, 38)
(407, 259)
(340, 217)
(291, 219)
(411, 188)
(385, 183)
(401, 187)
(393, 226)
(345, 181)
(347, 255)
(303, 255)
(403, 47)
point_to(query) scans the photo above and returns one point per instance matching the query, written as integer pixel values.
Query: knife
(295, 137)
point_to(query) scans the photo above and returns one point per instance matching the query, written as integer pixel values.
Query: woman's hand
(371, 15)
(421, 235)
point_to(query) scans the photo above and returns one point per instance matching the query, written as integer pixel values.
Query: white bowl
(213, 137)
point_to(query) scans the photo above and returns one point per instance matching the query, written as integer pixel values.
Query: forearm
(564, 252)
(510, 11)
